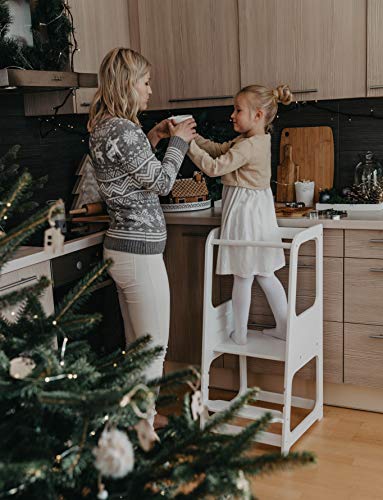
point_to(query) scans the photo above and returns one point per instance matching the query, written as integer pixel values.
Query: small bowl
(179, 118)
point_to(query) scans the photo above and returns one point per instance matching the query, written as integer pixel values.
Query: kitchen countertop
(354, 220)
(27, 256)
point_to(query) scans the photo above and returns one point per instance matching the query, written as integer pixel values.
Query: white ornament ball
(102, 495)
(114, 454)
(21, 367)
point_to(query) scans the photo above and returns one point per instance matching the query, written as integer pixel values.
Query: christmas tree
(10, 171)
(76, 425)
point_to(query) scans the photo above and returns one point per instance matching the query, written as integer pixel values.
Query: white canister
(304, 192)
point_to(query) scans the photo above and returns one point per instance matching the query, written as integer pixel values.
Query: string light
(70, 376)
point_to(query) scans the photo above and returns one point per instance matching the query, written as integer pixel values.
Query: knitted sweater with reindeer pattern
(131, 178)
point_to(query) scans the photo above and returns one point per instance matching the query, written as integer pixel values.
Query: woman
(130, 179)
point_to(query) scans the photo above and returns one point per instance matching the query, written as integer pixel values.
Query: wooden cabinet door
(99, 26)
(363, 355)
(374, 48)
(193, 49)
(22, 278)
(317, 47)
(363, 291)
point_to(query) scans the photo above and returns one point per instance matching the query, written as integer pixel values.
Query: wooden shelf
(33, 80)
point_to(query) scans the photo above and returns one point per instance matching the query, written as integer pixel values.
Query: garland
(51, 29)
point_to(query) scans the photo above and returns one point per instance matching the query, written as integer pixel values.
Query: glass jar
(368, 172)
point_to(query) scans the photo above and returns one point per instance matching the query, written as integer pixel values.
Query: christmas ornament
(146, 435)
(197, 406)
(114, 454)
(102, 493)
(128, 399)
(21, 367)
(53, 237)
(244, 486)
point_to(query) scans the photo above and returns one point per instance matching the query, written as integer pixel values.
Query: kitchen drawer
(333, 244)
(363, 355)
(260, 313)
(364, 244)
(332, 358)
(73, 266)
(363, 291)
(27, 276)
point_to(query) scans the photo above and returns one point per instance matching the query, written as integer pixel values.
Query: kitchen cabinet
(374, 48)
(99, 27)
(193, 49)
(317, 47)
(363, 355)
(27, 276)
(184, 259)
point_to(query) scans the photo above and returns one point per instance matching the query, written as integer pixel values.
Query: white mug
(179, 118)
(304, 192)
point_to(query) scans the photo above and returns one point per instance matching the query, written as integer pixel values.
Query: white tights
(241, 296)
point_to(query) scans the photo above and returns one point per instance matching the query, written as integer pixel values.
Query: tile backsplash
(356, 126)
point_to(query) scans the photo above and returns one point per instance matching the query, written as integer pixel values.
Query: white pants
(143, 291)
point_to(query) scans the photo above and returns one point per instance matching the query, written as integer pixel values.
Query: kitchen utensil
(89, 209)
(314, 153)
(287, 174)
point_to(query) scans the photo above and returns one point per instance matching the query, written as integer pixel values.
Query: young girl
(130, 179)
(248, 207)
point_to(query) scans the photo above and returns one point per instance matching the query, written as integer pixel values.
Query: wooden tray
(292, 212)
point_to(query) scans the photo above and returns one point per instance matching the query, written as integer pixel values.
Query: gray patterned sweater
(131, 178)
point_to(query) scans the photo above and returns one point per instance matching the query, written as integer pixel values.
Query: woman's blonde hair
(260, 97)
(116, 95)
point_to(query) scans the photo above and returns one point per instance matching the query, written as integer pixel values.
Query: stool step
(257, 346)
(247, 411)
(263, 437)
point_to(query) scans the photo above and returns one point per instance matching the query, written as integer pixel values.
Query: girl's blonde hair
(116, 95)
(267, 99)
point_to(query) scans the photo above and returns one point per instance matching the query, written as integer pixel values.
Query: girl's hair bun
(283, 94)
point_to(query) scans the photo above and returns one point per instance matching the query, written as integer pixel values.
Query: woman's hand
(158, 132)
(185, 130)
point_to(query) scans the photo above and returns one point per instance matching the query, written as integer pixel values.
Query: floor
(349, 449)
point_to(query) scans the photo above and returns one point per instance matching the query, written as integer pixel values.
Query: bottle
(368, 172)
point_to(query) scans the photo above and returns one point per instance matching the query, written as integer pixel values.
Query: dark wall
(59, 154)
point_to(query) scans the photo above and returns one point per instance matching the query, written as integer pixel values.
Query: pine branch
(82, 290)
(13, 298)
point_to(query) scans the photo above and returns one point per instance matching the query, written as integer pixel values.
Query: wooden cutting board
(314, 153)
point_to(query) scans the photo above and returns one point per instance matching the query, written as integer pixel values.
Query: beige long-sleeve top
(244, 162)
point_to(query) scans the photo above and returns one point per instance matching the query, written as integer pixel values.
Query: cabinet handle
(372, 87)
(57, 78)
(376, 337)
(376, 240)
(195, 235)
(85, 104)
(261, 325)
(18, 283)
(304, 91)
(376, 269)
(303, 266)
(207, 98)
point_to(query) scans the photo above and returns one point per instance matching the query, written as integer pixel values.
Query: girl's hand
(185, 130)
(158, 132)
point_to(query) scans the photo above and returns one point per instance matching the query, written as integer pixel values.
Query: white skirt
(249, 214)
